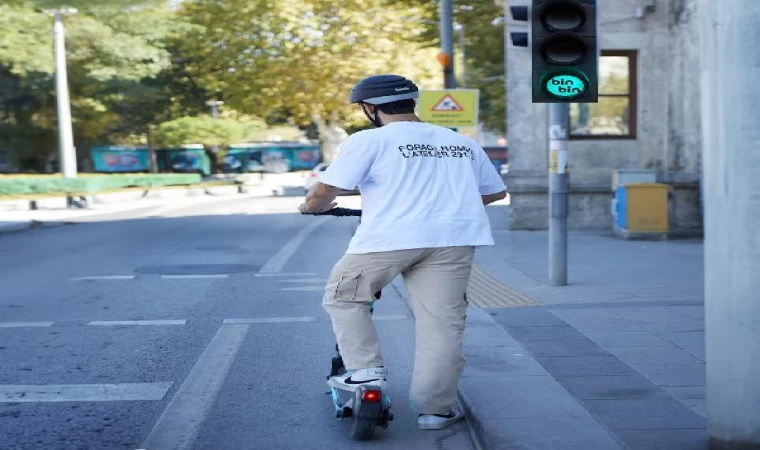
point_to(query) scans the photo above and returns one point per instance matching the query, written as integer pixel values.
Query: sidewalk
(615, 360)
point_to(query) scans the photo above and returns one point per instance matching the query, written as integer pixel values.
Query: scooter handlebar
(341, 212)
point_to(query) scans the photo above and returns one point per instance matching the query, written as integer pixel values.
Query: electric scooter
(368, 407)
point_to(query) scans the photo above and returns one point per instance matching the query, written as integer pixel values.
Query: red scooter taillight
(372, 396)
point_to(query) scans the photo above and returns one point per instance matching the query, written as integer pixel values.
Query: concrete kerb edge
(126, 196)
(473, 424)
(29, 225)
(15, 227)
(26, 225)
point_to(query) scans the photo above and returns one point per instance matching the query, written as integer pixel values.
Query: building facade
(648, 117)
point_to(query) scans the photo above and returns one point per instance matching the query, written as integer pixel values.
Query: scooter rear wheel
(362, 428)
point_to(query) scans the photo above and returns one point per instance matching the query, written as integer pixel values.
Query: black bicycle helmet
(381, 89)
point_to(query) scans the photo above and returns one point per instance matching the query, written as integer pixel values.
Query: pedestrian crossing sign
(449, 108)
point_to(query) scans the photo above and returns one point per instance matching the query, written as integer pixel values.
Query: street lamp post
(67, 153)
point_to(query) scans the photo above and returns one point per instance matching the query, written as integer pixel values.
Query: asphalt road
(198, 327)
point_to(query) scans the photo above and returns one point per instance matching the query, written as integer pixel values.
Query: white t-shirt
(421, 187)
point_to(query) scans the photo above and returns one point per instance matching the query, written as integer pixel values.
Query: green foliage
(300, 56)
(18, 186)
(204, 130)
(483, 25)
(112, 58)
(140, 71)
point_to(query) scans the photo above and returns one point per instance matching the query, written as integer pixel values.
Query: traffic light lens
(565, 86)
(564, 50)
(564, 17)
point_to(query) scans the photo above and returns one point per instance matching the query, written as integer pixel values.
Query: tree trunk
(331, 135)
(214, 158)
(153, 163)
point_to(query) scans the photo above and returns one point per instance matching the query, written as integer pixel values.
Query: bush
(19, 186)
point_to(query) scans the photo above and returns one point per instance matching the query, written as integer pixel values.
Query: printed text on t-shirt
(431, 151)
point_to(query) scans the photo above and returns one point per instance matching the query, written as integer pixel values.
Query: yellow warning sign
(449, 108)
(447, 103)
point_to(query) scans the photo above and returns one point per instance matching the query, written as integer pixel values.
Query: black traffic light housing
(565, 51)
(519, 13)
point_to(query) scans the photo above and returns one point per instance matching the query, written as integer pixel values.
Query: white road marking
(278, 261)
(25, 324)
(186, 277)
(178, 426)
(292, 274)
(391, 317)
(304, 288)
(304, 280)
(83, 392)
(271, 320)
(107, 323)
(105, 277)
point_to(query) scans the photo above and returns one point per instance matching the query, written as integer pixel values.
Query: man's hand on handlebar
(302, 209)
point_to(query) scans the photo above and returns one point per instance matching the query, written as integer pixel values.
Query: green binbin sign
(565, 86)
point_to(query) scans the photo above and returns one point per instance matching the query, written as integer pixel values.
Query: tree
(301, 57)
(214, 134)
(483, 23)
(109, 55)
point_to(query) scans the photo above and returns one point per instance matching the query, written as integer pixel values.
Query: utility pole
(67, 153)
(446, 57)
(731, 162)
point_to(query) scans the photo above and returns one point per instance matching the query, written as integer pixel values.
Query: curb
(29, 225)
(136, 196)
(473, 425)
(15, 227)
(500, 377)
(119, 197)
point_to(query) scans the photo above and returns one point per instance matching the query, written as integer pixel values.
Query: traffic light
(565, 51)
(519, 13)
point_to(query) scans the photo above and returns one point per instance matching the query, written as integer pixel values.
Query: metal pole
(66, 150)
(558, 182)
(215, 104)
(447, 43)
(464, 56)
(731, 165)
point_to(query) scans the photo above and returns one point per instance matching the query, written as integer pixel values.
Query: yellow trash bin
(643, 208)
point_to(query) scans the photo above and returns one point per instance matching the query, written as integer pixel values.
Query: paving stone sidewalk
(615, 360)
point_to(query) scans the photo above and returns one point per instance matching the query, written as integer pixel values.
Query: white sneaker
(375, 376)
(439, 422)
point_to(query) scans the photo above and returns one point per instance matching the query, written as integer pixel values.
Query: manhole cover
(197, 269)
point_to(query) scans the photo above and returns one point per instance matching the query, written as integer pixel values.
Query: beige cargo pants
(436, 280)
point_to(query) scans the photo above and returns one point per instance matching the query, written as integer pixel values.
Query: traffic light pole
(558, 183)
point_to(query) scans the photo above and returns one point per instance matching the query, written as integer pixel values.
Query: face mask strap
(375, 120)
